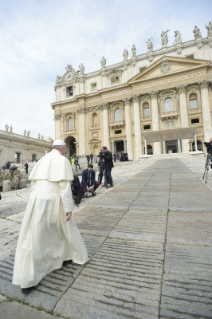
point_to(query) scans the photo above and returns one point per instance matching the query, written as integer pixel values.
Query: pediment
(168, 65)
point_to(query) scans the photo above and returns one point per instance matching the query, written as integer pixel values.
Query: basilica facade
(152, 103)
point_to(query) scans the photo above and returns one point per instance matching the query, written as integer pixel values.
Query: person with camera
(108, 158)
(88, 181)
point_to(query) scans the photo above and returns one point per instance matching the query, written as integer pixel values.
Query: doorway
(171, 147)
(119, 146)
(71, 145)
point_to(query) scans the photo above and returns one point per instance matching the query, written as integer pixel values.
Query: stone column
(183, 114)
(195, 142)
(112, 147)
(155, 120)
(106, 141)
(145, 148)
(125, 146)
(206, 113)
(57, 118)
(128, 128)
(164, 147)
(82, 131)
(137, 127)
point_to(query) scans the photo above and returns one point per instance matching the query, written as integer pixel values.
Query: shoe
(93, 194)
(26, 291)
(86, 195)
(103, 185)
(67, 262)
(109, 185)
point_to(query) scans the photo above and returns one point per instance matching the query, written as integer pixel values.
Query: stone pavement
(150, 243)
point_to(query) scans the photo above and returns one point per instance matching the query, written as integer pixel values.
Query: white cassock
(46, 239)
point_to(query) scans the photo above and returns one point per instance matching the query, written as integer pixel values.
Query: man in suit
(88, 181)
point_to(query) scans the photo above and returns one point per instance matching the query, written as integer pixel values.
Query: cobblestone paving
(150, 243)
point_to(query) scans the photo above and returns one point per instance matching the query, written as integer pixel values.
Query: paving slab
(127, 189)
(16, 310)
(186, 297)
(159, 181)
(193, 202)
(136, 181)
(190, 228)
(142, 225)
(2, 298)
(114, 201)
(98, 221)
(150, 202)
(191, 189)
(155, 189)
(52, 287)
(8, 240)
(187, 181)
(121, 281)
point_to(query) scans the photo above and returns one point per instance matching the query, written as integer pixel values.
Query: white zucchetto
(59, 143)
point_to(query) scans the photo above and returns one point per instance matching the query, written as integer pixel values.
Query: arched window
(146, 109)
(117, 115)
(94, 119)
(193, 101)
(199, 146)
(168, 104)
(70, 124)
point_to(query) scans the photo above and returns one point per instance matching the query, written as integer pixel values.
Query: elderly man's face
(63, 150)
(211, 140)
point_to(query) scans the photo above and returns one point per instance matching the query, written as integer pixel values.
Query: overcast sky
(39, 38)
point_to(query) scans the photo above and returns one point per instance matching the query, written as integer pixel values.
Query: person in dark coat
(26, 167)
(108, 165)
(76, 162)
(91, 158)
(88, 158)
(114, 157)
(123, 157)
(88, 181)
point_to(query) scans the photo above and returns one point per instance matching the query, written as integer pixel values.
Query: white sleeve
(66, 196)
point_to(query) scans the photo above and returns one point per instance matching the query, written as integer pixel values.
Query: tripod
(102, 173)
(208, 162)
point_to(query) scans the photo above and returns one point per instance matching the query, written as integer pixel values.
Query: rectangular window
(193, 121)
(146, 111)
(93, 86)
(69, 91)
(114, 79)
(33, 157)
(146, 127)
(193, 104)
(118, 132)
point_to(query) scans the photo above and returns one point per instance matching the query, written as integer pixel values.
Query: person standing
(76, 162)
(91, 158)
(26, 167)
(114, 157)
(48, 237)
(108, 165)
(88, 158)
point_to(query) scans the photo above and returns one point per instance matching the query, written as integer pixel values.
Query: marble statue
(24, 132)
(133, 50)
(82, 68)
(164, 39)
(125, 54)
(28, 133)
(103, 62)
(58, 79)
(178, 37)
(11, 129)
(149, 45)
(39, 136)
(209, 28)
(6, 127)
(197, 33)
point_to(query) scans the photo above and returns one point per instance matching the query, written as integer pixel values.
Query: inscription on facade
(170, 80)
(105, 96)
(169, 124)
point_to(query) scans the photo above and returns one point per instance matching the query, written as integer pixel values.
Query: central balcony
(116, 124)
(169, 115)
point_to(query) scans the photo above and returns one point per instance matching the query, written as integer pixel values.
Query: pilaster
(128, 127)
(137, 126)
(155, 120)
(82, 130)
(106, 140)
(182, 89)
(206, 113)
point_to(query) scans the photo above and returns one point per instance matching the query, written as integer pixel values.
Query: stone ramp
(151, 254)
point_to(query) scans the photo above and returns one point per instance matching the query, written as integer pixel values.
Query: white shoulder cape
(52, 167)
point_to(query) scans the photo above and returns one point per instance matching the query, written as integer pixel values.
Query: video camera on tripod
(208, 161)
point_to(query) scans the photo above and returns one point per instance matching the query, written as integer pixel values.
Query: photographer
(108, 164)
(209, 146)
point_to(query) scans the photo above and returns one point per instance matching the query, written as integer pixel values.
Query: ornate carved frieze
(168, 124)
(165, 66)
(145, 98)
(203, 84)
(57, 117)
(199, 44)
(181, 89)
(153, 94)
(192, 88)
(126, 101)
(82, 110)
(136, 98)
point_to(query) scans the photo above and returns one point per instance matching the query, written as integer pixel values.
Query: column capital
(126, 101)
(136, 98)
(82, 110)
(104, 106)
(203, 84)
(153, 95)
(182, 88)
(57, 117)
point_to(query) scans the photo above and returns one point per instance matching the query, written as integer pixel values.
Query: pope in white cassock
(48, 235)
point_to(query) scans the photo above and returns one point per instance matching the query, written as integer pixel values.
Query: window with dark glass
(168, 105)
(69, 91)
